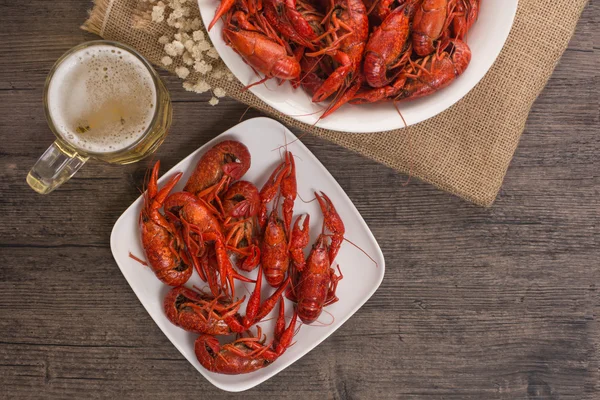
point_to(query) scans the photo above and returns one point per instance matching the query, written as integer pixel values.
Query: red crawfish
(199, 312)
(277, 252)
(388, 48)
(164, 248)
(380, 9)
(293, 23)
(465, 15)
(274, 245)
(224, 163)
(424, 76)
(348, 25)
(274, 252)
(263, 53)
(203, 313)
(315, 284)
(240, 205)
(429, 23)
(313, 71)
(436, 71)
(200, 226)
(246, 354)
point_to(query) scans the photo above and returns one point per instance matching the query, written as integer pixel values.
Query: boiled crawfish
(241, 203)
(314, 71)
(246, 354)
(275, 245)
(200, 227)
(203, 313)
(388, 48)
(429, 23)
(348, 26)
(435, 72)
(199, 312)
(380, 9)
(162, 242)
(277, 251)
(315, 284)
(260, 47)
(423, 76)
(465, 15)
(224, 163)
(298, 24)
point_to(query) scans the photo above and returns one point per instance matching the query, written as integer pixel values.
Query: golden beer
(104, 101)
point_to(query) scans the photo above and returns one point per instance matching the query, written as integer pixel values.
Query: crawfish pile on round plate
(353, 51)
(216, 216)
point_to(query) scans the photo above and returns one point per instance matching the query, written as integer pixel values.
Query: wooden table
(476, 303)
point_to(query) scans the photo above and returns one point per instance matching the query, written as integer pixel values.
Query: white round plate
(486, 38)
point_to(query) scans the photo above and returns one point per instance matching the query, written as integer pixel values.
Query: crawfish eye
(182, 304)
(229, 158)
(209, 350)
(175, 210)
(179, 300)
(181, 266)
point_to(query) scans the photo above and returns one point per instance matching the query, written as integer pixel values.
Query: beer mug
(104, 101)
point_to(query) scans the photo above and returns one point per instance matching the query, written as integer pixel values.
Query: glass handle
(53, 168)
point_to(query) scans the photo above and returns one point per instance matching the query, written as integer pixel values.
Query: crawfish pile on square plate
(353, 51)
(218, 215)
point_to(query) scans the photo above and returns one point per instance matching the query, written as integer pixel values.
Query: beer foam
(101, 99)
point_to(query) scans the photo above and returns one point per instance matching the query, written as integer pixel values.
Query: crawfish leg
(379, 94)
(335, 279)
(283, 337)
(280, 324)
(272, 300)
(256, 311)
(207, 272)
(344, 98)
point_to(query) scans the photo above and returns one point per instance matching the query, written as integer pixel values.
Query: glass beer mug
(104, 101)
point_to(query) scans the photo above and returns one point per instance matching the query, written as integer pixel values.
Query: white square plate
(362, 277)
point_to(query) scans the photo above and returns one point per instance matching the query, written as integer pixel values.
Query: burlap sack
(465, 150)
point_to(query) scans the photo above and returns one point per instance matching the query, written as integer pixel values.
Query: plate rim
(248, 385)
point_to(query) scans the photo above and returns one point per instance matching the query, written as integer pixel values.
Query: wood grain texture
(497, 303)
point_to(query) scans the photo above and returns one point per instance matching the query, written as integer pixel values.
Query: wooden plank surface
(476, 303)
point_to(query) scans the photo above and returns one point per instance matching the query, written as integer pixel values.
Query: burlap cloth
(465, 150)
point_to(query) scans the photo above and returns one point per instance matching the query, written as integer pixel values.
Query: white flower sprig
(190, 46)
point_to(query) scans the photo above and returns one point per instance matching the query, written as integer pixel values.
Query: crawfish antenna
(410, 144)
(138, 259)
(304, 201)
(323, 324)
(244, 113)
(362, 251)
